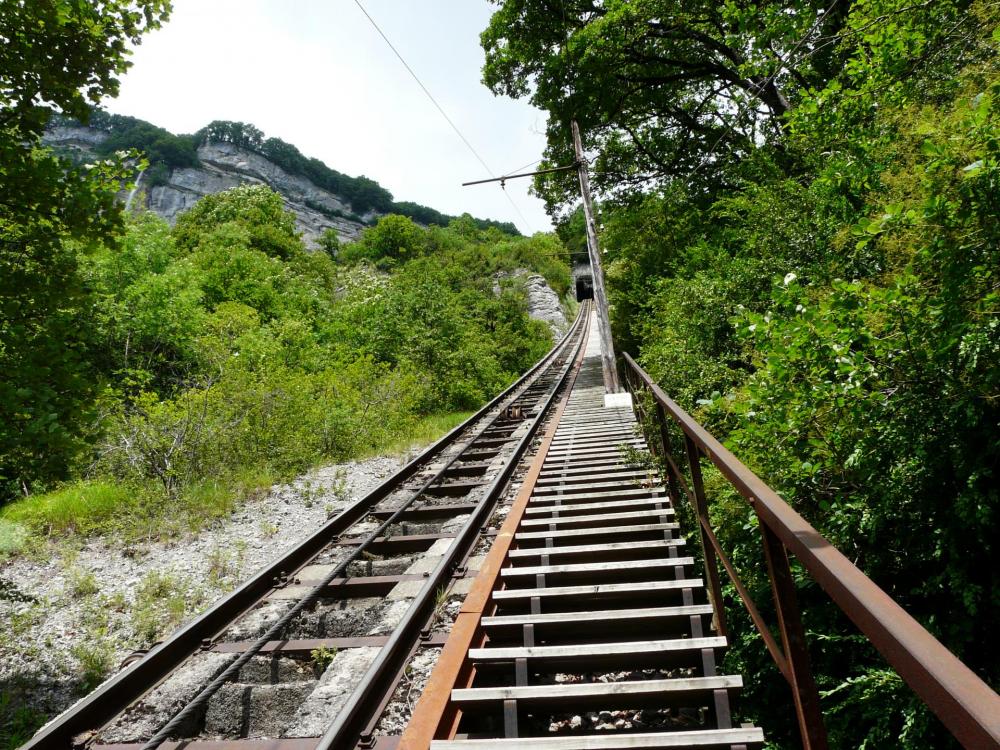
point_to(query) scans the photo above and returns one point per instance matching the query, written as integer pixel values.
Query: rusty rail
(433, 710)
(966, 705)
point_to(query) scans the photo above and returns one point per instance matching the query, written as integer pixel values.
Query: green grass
(162, 599)
(17, 723)
(96, 659)
(14, 538)
(82, 508)
(137, 511)
(424, 431)
(82, 582)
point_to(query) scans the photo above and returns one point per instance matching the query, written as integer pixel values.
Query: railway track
(587, 627)
(526, 577)
(311, 651)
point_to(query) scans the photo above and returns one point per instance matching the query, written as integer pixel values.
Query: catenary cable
(440, 109)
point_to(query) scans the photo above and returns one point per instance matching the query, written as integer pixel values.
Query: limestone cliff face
(543, 302)
(224, 166)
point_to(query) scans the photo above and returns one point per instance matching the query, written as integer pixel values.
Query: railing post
(636, 389)
(804, 691)
(673, 485)
(707, 551)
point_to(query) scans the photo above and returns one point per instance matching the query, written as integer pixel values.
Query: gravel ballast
(76, 614)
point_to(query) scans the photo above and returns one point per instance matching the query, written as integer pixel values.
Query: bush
(257, 210)
(393, 240)
(233, 358)
(830, 308)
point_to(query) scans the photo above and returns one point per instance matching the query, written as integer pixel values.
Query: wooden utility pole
(603, 322)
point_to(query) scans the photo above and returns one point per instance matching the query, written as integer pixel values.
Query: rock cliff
(543, 302)
(223, 166)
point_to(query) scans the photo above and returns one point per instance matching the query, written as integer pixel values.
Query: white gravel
(70, 607)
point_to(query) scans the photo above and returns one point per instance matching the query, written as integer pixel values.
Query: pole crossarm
(503, 178)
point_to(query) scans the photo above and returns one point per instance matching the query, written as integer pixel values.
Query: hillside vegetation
(801, 214)
(153, 375)
(164, 151)
(219, 356)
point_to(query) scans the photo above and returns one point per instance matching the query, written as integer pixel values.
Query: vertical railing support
(673, 483)
(968, 707)
(804, 691)
(707, 551)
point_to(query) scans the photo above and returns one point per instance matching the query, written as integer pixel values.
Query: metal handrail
(966, 705)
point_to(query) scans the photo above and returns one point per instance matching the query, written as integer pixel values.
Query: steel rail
(130, 684)
(493, 685)
(358, 710)
(430, 709)
(964, 703)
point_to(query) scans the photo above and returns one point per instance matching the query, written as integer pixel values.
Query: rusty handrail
(966, 705)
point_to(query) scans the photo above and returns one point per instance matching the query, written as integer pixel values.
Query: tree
(665, 89)
(654, 84)
(240, 134)
(67, 55)
(257, 209)
(64, 55)
(329, 242)
(395, 239)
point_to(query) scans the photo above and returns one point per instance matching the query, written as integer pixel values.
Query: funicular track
(589, 627)
(360, 594)
(582, 622)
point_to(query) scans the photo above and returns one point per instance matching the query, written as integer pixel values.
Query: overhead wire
(523, 166)
(440, 109)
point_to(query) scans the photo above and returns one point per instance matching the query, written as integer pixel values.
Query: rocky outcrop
(543, 302)
(224, 166)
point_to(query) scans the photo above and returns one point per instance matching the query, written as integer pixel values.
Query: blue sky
(316, 74)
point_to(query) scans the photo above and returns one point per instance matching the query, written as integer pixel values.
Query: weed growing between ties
(322, 657)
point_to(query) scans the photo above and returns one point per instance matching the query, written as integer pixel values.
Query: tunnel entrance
(584, 288)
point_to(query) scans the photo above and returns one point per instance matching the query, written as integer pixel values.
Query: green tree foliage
(163, 150)
(241, 134)
(392, 240)
(66, 55)
(229, 354)
(816, 280)
(329, 242)
(662, 89)
(62, 55)
(256, 210)
(238, 350)
(395, 239)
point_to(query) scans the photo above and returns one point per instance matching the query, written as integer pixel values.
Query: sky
(316, 74)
